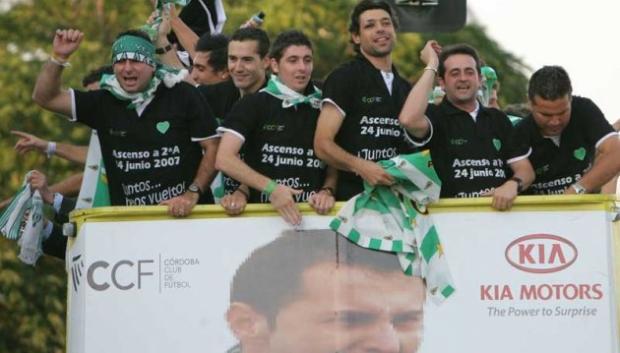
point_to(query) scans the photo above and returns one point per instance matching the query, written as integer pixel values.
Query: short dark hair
(549, 83)
(96, 74)
(255, 34)
(217, 46)
(287, 39)
(135, 33)
(363, 6)
(271, 276)
(454, 50)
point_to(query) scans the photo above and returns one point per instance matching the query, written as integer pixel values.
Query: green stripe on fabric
(375, 244)
(429, 244)
(446, 292)
(387, 196)
(397, 246)
(409, 271)
(335, 224)
(354, 236)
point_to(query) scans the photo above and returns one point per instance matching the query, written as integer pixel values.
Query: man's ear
(355, 37)
(266, 62)
(246, 323)
(274, 66)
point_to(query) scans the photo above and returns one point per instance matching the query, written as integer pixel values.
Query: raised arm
(47, 91)
(412, 116)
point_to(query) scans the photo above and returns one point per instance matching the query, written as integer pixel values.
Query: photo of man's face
(334, 297)
(351, 309)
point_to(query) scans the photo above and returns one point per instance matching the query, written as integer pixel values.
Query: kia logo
(541, 253)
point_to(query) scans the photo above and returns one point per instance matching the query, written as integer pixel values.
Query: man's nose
(382, 339)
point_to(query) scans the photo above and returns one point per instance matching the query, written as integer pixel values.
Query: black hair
(363, 6)
(454, 50)
(549, 83)
(287, 39)
(255, 34)
(271, 276)
(95, 75)
(217, 46)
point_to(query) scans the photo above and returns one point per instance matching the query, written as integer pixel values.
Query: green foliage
(32, 300)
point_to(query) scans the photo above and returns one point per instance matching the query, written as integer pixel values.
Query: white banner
(531, 281)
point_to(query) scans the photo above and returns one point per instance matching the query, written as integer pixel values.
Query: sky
(581, 36)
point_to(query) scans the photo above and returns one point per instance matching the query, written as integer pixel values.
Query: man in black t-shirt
(247, 65)
(472, 147)
(358, 125)
(574, 148)
(276, 128)
(152, 127)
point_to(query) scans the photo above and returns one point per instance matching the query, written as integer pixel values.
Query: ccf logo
(541, 253)
(122, 275)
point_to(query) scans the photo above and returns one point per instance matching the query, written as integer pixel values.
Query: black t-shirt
(278, 142)
(558, 167)
(152, 157)
(470, 157)
(370, 129)
(221, 97)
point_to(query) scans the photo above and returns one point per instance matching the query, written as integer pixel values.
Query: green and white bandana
(290, 98)
(139, 49)
(133, 48)
(394, 219)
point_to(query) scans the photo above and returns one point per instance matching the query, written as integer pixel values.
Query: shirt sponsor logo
(372, 100)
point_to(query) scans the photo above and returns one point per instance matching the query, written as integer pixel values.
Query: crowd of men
(250, 110)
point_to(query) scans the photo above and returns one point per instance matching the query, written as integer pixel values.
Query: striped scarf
(290, 98)
(394, 219)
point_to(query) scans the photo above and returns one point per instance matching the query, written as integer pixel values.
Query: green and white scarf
(394, 219)
(290, 98)
(161, 6)
(23, 221)
(139, 49)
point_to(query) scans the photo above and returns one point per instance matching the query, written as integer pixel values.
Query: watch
(194, 188)
(519, 182)
(163, 50)
(579, 189)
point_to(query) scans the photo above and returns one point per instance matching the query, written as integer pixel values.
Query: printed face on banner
(333, 307)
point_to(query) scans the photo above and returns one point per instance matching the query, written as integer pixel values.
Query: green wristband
(271, 186)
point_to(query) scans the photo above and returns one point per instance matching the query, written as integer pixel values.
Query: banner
(537, 279)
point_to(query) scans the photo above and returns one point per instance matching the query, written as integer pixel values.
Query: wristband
(271, 186)
(431, 69)
(51, 149)
(247, 196)
(55, 60)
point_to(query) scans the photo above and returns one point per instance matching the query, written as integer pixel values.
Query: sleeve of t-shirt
(517, 142)
(337, 90)
(86, 107)
(596, 127)
(243, 117)
(431, 116)
(202, 121)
